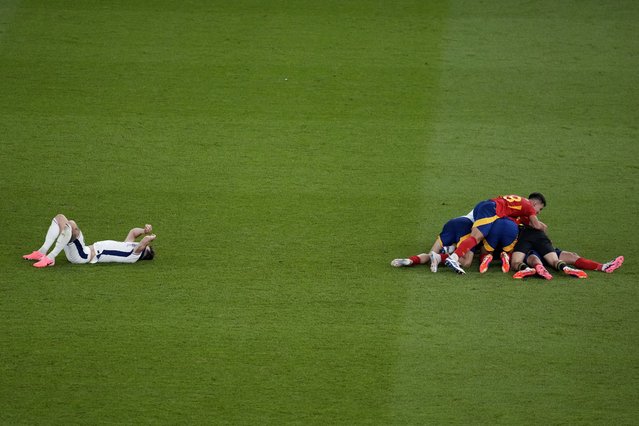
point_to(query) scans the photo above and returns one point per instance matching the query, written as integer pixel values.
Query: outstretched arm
(145, 242)
(537, 224)
(136, 232)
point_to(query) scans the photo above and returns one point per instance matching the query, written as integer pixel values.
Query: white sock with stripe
(63, 240)
(52, 235)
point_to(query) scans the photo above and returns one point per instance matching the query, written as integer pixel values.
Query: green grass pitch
(285, 152)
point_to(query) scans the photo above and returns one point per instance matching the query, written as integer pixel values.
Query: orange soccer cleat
(575, 272)
(485, 262)
(524, 273)
(505, 262)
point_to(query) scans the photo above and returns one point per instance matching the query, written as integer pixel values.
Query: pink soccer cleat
(543, 272)
(505, 262)
(36, 255)
(485, 263)
(575, 272)
(44, 262)
(612, 265)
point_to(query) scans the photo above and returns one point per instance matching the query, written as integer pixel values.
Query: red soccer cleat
(485, 262)
(543, 272)
(575, 272)
(505, 262)
(44, 262)
(36, 255)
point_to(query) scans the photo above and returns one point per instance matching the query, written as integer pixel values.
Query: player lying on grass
(533, 259)
(532, 262)
(534, 240)
(67, 236)
(487, 212)
(457, 230)
(572, 258)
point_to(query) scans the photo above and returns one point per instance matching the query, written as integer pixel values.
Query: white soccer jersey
(115, 251)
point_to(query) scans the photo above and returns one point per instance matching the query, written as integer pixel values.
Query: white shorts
(77, 251)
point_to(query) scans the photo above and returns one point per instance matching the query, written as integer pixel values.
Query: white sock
(52, 234)
(63, 240)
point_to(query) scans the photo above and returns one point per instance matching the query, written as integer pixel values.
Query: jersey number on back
(512, 198)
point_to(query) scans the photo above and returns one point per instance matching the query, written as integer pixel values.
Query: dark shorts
(503, 234)
(531, 239)
(543, 260)
(455, 230)
(485, 214)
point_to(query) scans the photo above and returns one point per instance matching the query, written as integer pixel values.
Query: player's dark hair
(148, 253)
(538, 196)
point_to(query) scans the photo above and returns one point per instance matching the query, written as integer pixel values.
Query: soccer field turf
(285, 153)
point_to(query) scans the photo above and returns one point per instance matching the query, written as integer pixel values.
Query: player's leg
(418, 259)
(63, 238)
(467, 260)
(503, 233)
(77, 251)
(452, 233)
(517, 260)
(56, 226)
(476, 236)
(484, 215)
(435, 253)
(572, 258)
(421, 258)
(508, 237)
(552, 259)
(536, 263)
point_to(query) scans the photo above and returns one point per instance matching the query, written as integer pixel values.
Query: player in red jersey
(487, 212)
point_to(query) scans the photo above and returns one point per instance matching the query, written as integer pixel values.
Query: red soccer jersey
(514, 206)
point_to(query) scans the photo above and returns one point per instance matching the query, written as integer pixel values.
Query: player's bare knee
(516, 259)
(533, 260)
(61, 220)
(75, 231)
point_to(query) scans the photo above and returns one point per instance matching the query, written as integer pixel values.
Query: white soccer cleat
(398, 263)
(435, 258)
(454, 265)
